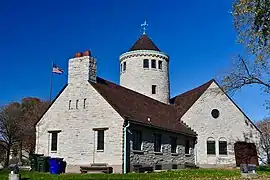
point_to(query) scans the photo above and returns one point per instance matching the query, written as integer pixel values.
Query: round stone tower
(144, 69)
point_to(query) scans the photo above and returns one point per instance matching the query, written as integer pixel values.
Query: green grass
(186, 174)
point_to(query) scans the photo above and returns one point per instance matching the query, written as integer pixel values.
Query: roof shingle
(144, 43)
(138, 108)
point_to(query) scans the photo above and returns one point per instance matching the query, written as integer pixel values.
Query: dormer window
(153, 64)
(145, 63)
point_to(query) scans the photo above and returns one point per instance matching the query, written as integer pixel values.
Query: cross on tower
(144, 25)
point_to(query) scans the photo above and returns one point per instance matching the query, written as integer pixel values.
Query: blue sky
(197, 35)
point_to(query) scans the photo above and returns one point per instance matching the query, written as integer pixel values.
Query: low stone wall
(164, 159)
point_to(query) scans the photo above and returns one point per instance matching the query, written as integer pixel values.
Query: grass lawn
(179, 174)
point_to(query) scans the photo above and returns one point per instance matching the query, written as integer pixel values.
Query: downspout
(125, 147)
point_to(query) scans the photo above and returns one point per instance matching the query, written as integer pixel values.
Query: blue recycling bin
(55, 165)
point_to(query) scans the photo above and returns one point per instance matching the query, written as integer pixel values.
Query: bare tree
(251, 20)
(17, 125)
(264, 144)
(10, 132)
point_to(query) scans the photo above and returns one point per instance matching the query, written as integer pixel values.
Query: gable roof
(138, 108)
(184, 101)
(144, 43)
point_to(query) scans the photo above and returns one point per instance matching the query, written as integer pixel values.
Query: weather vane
(144, 25)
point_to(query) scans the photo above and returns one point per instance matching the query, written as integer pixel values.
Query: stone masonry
(140, 79)
(165, 158)
(231, 125)
(77, 141)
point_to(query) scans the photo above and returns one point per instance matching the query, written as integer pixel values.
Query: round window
(215, 113)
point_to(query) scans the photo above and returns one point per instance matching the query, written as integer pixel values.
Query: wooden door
(245, 153)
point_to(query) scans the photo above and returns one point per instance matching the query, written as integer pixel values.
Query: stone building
(136, 123)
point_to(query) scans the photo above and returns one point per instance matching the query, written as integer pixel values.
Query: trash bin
(33, 161)
(55, 165)
(63, 166)
(43, 164)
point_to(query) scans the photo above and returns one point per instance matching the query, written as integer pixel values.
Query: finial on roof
(144, 25)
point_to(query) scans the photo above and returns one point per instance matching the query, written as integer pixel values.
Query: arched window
(222, 144)
(211, 146)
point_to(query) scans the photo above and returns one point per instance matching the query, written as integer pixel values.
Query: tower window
(125, 66)
(121, 66)
(153, 63)
(145, 63)
(159, 64)
(154, 89)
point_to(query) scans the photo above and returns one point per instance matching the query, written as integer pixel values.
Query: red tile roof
(144, 43)
(138, 108)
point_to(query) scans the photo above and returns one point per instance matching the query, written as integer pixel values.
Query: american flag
(56, 69)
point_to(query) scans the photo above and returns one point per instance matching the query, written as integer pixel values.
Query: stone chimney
(82, 68)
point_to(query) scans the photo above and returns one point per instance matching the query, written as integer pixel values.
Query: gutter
(125, 147)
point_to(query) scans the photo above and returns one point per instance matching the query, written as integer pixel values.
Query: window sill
(211, 155)
(188, 155)
(53, 151)
(137, 151)
(100, 150)
(158, 153)
(223, 155)
(174, 154)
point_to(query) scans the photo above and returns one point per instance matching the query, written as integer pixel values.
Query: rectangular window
(157, 143)
(121, 66)
(54, 137)
(153, 63)
(84, 103)
(154, 89)
(173, 144)
(211, 147)
(223, 147)
(187, 147)
(69, 104)
(77, 102)
(159, 64)
(125, 66)
(137, 140)
(100, 140)
(145, 63)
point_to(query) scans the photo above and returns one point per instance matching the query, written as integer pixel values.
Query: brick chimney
(82, 68)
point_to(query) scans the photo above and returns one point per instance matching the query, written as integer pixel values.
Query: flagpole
(51, 82)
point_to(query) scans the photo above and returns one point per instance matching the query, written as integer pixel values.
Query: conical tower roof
(144, 43)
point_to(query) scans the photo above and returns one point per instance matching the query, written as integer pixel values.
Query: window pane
(54, 141)
(153, 63)
(159, 64)
(69, 104)
(211, 147)
(154, 87)
(77, 102)
(137, 140)
(187, 147)
(84, 103)
(223, 147)
(100, 141)
(173, 144)
(145, 63)
(125, 66)
(157, 142)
